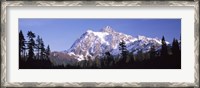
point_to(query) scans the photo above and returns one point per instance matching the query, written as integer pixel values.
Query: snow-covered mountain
(92, 44)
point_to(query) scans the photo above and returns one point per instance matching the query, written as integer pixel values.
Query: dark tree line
(32, 52)
(168, 57)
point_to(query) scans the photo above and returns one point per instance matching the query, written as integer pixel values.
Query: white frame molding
(6, 4)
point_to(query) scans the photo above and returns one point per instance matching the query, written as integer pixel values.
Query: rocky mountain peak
(107, 29)
(95, 43)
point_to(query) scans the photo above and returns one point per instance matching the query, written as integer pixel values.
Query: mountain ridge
(92, 44)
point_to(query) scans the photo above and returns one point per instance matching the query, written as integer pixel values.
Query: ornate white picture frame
(5, 5)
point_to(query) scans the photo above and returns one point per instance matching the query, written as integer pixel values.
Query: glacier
(93, 44)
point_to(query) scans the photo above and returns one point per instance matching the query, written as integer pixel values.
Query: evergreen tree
(164, 50)
(21, 44)
(140, 55)
(128, 59)
(176, 53)
(131, 57)
(48, 51)
(90, 62)
(42, 49)
(85, 63)
(38, 45)
(97, 62)
(152, 52)
(124, 51)
(31, 44)
(175, 47)
(109, 59)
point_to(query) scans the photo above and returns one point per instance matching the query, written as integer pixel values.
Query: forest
(34, 55)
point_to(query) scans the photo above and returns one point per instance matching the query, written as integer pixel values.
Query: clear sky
(60, 34)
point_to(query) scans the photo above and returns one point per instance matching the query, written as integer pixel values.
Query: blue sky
(60, 34)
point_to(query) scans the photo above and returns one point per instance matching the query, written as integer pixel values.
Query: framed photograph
(100, 44)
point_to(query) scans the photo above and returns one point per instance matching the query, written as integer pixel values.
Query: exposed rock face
(92, 44)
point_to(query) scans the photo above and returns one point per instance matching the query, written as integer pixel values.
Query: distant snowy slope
(92, 44)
